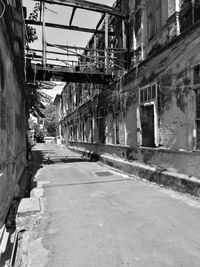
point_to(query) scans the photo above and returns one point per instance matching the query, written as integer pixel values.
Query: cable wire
(4, 9)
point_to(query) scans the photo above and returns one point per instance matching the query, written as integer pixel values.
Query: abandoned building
(13, 113)
(149, 111)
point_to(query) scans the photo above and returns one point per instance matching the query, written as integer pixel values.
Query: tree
(50, 122)
(31, 32)
(34, 100)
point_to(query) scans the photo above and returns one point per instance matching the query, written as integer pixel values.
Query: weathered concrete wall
(181, 162)
(172, 71)
(12, 116)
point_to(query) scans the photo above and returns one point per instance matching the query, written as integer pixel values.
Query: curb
(176, 181)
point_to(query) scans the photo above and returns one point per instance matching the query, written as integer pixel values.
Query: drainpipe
(43, 36)
(143, 33)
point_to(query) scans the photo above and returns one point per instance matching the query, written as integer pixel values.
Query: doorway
(147, 125)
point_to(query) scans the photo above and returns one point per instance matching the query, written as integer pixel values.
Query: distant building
(151, 113)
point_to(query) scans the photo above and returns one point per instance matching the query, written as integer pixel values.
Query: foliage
(39, 133)
(31, 32)
(35, 97)
(51, 129)
(34, 100)
(50, 122)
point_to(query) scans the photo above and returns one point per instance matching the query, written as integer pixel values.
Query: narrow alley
(94, 216)
(99, 133)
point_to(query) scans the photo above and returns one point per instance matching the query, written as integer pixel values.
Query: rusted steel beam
(50, 52)
(119, 50)
(68, 75)
(65, 27)
(76, 47)
(82, 4)
(100, 21)
(72, 16)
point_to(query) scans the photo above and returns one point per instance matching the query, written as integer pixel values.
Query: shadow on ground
(87, 183)
(35, 164)
(54, 159)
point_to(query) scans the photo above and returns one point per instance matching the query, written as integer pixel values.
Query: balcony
(176, 24)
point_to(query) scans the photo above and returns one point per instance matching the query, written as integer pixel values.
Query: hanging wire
(4, 9)
(87, 57)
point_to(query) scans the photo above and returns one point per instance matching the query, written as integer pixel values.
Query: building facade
(150, 113)
(13, 113)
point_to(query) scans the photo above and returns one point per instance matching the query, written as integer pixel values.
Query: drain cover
(104, 173)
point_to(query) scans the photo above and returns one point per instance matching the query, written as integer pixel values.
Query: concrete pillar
(177, 10)
(106, 42)
(143, 28)
(123, 34)
(43, 36)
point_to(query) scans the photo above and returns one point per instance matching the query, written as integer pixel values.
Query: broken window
(196, 78)
(198, 119)
(171, 7)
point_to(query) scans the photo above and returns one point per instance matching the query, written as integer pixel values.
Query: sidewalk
(179, 182)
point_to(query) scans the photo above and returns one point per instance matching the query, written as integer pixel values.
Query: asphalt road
(94, 216)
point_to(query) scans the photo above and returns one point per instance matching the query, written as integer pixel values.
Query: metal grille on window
(148, 94)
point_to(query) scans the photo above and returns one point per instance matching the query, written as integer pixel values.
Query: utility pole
(177, 10)
(43, 36)
(106, 43)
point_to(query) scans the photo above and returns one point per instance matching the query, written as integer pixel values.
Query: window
(83, 132)
(198, 118)
(196, 75)
(196, 80)
(150, 31)
(91, 131)
(148, 94)
(158, 18)
(154, 18)
(171, 7)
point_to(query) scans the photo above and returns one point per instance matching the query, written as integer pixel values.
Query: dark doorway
(102, 135)
(101, 125)
(198, 118)
(147, 125)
